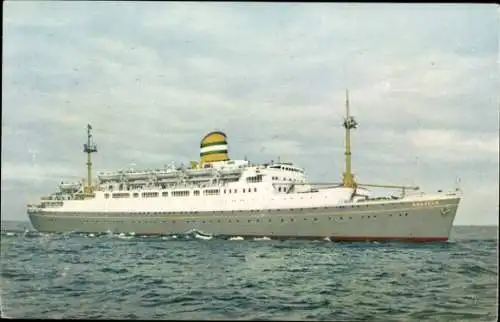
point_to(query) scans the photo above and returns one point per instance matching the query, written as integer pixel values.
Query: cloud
(153, 78)
(453, 145)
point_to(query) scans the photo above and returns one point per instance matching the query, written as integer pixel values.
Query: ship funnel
(213, 148)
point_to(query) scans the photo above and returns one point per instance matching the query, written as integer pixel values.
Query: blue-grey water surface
(134, 277)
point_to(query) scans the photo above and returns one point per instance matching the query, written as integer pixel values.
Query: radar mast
(89, 148)
(349, 124)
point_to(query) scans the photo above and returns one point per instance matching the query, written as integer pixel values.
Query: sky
(152, 78)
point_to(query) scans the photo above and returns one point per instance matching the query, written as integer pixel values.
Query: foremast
(349, 124)
(89, 148)
(348, 177)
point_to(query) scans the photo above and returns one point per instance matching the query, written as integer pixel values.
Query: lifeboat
(109, 176)
(69, 187)
(136, 175)
(164, 174)
(199, 172)
(230, 171)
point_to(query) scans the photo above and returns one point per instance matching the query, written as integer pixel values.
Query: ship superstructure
(229, 197)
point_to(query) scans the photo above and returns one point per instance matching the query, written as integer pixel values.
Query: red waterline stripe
(407, 239)
(277, 237)
(352, 238)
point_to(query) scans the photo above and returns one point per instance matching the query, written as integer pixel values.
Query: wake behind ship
(227, 197)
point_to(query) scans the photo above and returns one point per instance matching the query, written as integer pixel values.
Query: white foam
(124, 236)
(204, 237)
(262, 238)
(237, 238)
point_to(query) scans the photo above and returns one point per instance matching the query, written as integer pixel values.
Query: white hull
(422, 219)
(229, 197)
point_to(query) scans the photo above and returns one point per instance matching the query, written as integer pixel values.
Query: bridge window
(164, 194)
(211, 192)
(182, 193)
(150, 194)
(121, 195)
(254, 179)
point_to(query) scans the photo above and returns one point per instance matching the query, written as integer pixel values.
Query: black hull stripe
(213, 152)
(204, 145)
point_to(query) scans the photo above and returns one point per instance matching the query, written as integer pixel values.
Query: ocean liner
(228, 197)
